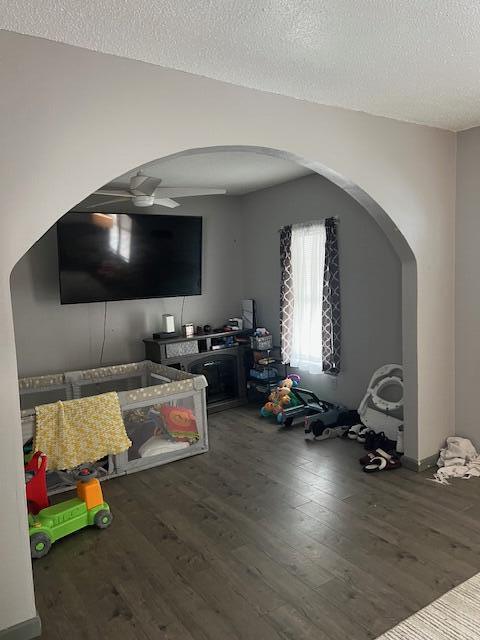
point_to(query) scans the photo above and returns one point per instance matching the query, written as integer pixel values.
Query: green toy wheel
(40, 545)
(103, 519)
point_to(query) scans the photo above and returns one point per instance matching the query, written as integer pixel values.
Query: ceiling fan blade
(166, 202)
(114, 192)
(142, 185)
(185, 192)
(101, 204)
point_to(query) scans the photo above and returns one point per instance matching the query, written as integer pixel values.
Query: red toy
(181, 423)
(36, 483)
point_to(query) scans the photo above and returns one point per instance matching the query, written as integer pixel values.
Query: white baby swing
(376, 411)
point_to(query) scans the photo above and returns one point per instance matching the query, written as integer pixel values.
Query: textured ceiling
(239, 172)
(415, 60)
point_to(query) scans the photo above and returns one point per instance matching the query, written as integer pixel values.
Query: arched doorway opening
(396, 239)
(409, 280)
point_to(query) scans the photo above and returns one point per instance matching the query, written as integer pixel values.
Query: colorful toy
(36, 483)
(180, 422)
(60, 520)
(288, 402)
(281, 398)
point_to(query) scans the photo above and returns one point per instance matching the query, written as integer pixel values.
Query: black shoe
(375, 441)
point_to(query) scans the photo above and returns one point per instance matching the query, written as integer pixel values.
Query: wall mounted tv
(116, 256)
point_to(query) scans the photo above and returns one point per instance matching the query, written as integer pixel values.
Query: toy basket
(261, 343)
(269, 373)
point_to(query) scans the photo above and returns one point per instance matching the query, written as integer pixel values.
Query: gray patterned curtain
(286, 293)
(331, 325)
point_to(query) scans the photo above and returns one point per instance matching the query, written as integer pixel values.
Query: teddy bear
(280, 398)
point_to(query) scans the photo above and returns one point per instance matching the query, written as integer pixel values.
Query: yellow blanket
(80, 431)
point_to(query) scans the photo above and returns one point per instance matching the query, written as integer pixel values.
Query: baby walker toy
(281, 398)
(60, 520)
(288, 402)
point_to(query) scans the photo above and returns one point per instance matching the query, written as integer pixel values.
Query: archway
(401, 248)
(393, 235)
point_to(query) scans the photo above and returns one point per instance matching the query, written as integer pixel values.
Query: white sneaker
(362, 434)
(354, 431)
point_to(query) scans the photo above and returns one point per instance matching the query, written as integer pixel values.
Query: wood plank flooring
(266, 537)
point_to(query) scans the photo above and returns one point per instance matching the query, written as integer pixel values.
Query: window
(310, 296)
(121, 236)
(308, 265)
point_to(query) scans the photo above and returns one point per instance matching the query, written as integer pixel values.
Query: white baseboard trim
(26, 630)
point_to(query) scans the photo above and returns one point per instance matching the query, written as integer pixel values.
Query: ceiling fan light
(143, 201)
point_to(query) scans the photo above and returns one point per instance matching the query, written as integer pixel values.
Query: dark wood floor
(266, 537)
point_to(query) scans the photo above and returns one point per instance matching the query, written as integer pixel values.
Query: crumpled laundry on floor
(459, 459)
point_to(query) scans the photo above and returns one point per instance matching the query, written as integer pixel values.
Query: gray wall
(51, 337)
(467, 287)
(241, 259)
(370, 273)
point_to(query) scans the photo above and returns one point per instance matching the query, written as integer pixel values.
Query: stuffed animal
(291, 380)
(280, 398)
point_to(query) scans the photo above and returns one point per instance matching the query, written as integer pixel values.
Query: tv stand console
(224, 368)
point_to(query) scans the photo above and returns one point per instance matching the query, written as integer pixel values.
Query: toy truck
(316, 414)
(60, 520)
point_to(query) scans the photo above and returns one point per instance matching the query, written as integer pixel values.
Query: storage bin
(261, 343)
(181, 348)
(269, 373)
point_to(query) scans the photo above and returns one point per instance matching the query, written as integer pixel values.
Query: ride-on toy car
(316, 414)
(60, 520)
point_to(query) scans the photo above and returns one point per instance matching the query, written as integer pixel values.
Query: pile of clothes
(459, 459)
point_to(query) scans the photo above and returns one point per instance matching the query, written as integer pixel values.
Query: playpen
(157, 402)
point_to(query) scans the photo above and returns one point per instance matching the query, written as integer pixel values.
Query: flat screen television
(117, 256)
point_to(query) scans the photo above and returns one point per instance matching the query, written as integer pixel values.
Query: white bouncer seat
(375, 410)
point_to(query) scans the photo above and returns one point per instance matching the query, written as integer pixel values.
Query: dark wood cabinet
(223, 368)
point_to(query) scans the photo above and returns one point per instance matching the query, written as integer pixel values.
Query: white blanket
(459, 459)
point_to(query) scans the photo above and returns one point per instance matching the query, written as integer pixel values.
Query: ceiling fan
(145, 191)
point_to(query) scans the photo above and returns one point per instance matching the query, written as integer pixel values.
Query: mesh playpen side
(164, 410)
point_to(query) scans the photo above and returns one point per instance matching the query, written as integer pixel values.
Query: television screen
(116, 256)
